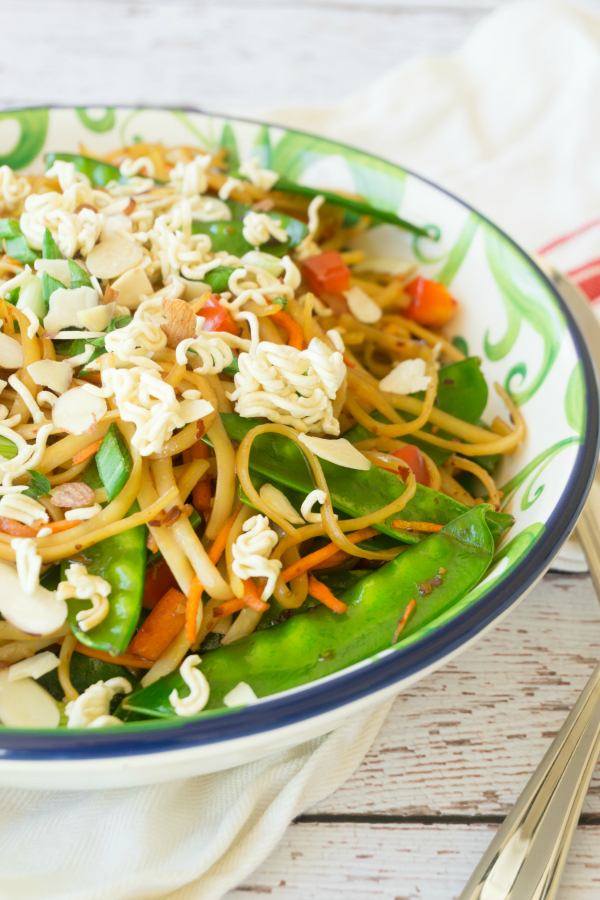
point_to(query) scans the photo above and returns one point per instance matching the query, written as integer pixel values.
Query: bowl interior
(510, 316)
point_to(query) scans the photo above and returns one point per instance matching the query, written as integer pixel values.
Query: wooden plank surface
(466, 739)
(355, 861)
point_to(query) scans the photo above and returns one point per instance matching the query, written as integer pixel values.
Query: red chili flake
(425, 588)
(441, 570)
(435, 582)
(327, 654)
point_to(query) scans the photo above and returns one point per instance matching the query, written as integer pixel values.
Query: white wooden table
(457, 749)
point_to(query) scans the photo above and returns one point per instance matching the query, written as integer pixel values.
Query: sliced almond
(25, 704)
(110, 295)
(78, 411)
(34, 667)
(277, 500)
(66, 303)
(98, 317)
(38, 613)
(181, 321)
(57, 268)
(72, 495)
(11, 352)
(50, 373)
(113, 257)
(131, 286)
(362, 306)
(193, 410)
(194, 289)
(114, 224)
(340, 451)
(407, 377)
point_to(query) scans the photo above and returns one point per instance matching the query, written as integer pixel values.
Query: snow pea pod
(229, 235)
(85, 671)
(435, 573)
(100, 173)
(120, 560)
(354, 492)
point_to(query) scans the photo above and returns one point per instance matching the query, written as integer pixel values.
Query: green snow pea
(100, 173)
(85, 671)
(358, 207)
(320, 642)
(357, 493)
(218, 279)
(16, 242)
(120, 560)
(229, 235)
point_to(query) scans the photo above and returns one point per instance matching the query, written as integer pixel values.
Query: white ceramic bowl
(510, 315)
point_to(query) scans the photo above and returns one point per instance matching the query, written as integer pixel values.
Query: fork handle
(526, 857)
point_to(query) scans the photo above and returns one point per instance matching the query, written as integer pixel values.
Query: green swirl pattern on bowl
(509, 315)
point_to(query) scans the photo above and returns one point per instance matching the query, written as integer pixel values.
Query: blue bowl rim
(320, 698)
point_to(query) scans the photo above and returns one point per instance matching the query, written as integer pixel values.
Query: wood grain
(350, 861)
(466, 739)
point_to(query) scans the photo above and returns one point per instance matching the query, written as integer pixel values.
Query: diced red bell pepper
(326, 272)
(413, 457)
(216, 318)
(432, 303)
(159, 579)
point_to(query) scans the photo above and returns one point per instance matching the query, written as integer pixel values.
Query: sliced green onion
(9, 228)
(91, 476)
(232, 368)
(49, 246)
(113, 461)
(263, 261)
(31, 296)
(39, 486)
(7, 448)
(356, 206)
(49, 285)
(79, 277)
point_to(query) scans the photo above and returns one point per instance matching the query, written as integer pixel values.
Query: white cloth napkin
(511, 123)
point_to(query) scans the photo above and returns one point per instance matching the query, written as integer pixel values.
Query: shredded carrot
(163, 624)
(216, 551)
(349, 363)
(252, 598)
(321, 592)
(159, 579)
(88, 451)
(416, 526)
(336, 560)
(62, 525)
(228, 607)
(307, 562)
(294, 332)
(17, 529)
(410, 607)
(13, 262)
(191, 610)
(127, 659)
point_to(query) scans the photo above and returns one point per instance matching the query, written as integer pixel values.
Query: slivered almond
(181, 321)
(72, 495)
(51, 373)
(11, 352)
(113, 257)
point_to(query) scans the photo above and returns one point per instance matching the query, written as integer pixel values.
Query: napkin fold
(512, 124)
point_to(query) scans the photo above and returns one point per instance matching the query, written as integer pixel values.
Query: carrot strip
(416, 526)
(126, 659)
(191, 611)
(216, 551)
(13, 262)
(321, 592)
(252, 598)
(228, 607)
(88, 451)
(336, 560)
(11, 526)
(307, 562)
(294, 332)
(199, 450)
(163, 624)
(62, 525)
(409, 608)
